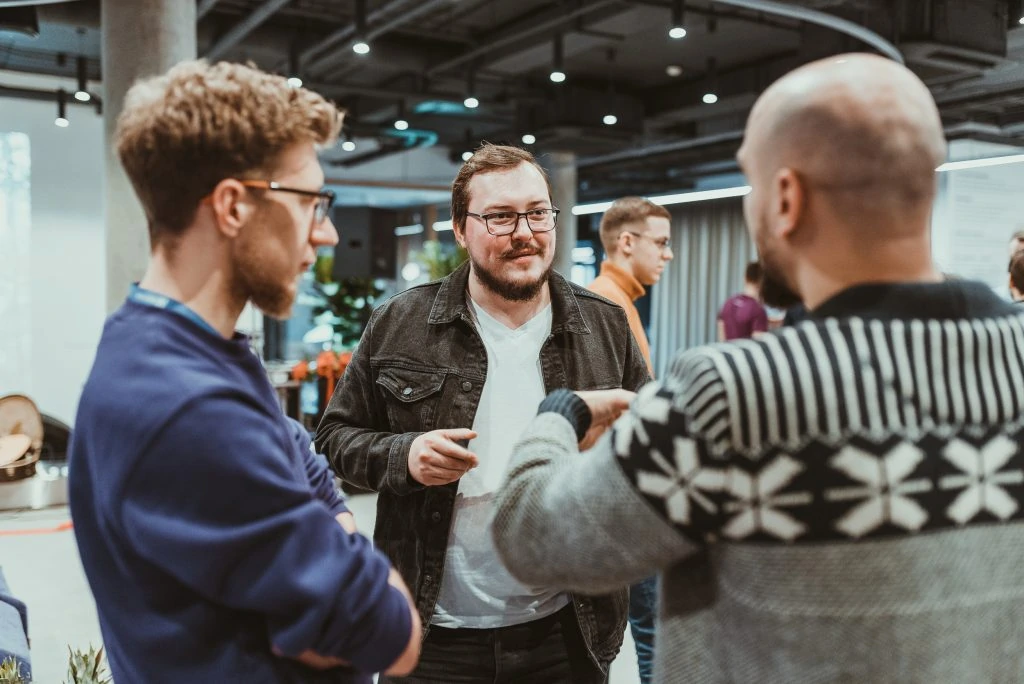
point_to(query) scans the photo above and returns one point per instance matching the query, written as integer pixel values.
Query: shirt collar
(951, 299)
(450, 302)
(623, 279)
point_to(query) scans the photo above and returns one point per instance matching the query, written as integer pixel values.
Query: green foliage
(10, 672)
(440, 259)
(87, 667)
(350, 306)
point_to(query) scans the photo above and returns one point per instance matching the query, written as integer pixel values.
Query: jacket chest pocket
(411, 397)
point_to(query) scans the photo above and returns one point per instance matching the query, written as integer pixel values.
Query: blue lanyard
(146, 297)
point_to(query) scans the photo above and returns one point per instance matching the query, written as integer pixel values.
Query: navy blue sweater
(206, 525)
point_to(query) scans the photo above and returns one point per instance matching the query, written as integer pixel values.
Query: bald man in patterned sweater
(840, 501)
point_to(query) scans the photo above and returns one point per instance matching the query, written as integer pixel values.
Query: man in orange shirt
(636, 236)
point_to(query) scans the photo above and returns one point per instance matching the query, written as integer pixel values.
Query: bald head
(852, 126)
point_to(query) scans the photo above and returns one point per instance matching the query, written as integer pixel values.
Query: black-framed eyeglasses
(324, 198)
(662, 243)
(506, 222)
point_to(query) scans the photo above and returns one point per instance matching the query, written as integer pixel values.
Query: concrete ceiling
(424, 53)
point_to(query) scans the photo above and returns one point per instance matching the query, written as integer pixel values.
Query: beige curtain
(711, 249)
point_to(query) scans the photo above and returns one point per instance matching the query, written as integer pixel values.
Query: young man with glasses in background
(636, 234)
(443, 382)
(213, 539)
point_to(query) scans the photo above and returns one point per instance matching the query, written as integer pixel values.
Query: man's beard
(508, 289)
(774, 290)
(253, 282)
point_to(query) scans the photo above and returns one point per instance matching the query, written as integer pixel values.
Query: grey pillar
(561, 167)
(140, 38)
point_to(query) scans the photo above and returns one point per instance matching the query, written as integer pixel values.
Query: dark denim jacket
(421, 366)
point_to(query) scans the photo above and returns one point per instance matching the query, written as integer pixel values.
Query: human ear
(232, 206)
(790, 198)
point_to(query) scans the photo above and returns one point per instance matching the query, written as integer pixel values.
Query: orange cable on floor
(63, 527)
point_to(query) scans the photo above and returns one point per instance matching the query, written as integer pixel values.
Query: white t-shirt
(476, 589)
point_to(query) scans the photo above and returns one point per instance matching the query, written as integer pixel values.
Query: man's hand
(435, 458)
(605, 408)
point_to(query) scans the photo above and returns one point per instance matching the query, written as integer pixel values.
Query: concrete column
(140, 38)
(429, 214)
(561, 167)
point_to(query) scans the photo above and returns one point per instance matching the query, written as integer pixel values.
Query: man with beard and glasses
(840, 501)
(444, 380)
(212, 537)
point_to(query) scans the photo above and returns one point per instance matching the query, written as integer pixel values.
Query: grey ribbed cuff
(568, 404)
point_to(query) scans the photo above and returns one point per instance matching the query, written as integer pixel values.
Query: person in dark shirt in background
(212, 537)
(743, 315)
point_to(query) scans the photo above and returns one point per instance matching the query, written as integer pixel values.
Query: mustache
(522, 251)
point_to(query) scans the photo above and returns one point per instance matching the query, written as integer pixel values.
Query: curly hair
(183, 132)
(624, 212)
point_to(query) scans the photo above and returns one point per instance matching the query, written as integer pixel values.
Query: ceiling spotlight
(610, 119)
(294, 82)
(62, 119)
(557, 75)
(710, 97)
(529, 139)
(467, 155)
(82, 94)
(360, 46)
(677, 31)
(348, 146)
(1021, 20)
(471, 102)
(400, 122)
(674, 70)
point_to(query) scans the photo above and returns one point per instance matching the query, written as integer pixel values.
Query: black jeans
(545, 651)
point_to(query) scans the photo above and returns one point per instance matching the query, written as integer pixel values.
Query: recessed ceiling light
(677, 32)
(529, 139)
(361, 47)
(471, 102)
(348, 146)
(466, 156)
(674, 70)
(710, 98)
(610, 119)
(294, 82)
(557, 76)
(401, 124)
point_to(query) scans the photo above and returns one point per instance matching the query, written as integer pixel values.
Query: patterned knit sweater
(842, 501)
